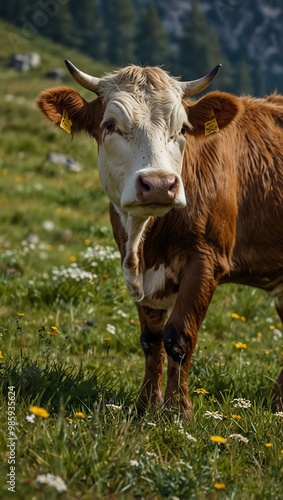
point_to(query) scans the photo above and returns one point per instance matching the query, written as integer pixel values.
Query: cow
(196, 200)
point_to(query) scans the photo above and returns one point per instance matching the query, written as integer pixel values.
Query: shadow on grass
(56, 384)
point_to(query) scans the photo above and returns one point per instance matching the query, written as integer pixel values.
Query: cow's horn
(196, 86)
(85, 80)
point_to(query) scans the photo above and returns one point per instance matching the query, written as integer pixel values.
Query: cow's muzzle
(157, 189)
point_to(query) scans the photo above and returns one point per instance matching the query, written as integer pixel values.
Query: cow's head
(139, 123)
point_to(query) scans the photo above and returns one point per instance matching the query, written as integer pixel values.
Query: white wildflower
(239, 437)
(57, 482)
(113, 407)
(121, 313)
(241, 403)
(279, 414)
(134, 463)
(190, 437)
(30, 418)
(111, 329)
(48, 225)
(277, 334)
(213, 414)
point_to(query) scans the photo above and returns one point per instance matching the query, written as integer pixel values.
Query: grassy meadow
(70, 361)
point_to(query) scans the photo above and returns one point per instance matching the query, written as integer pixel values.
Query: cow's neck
(132, 267)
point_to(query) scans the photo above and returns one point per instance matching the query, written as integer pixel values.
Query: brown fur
(230, 231)
(85, 116)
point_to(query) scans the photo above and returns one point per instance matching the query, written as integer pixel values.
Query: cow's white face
(141, 153)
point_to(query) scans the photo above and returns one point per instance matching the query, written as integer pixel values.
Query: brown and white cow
(196, 191)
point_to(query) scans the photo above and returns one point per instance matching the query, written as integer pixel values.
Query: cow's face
(141, 152)
(140, 123)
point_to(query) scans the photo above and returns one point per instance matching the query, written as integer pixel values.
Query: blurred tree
(215, 56)
(193, 47)
(259, 82)
(119, 21)
(89, 28)
(243, 79)
(152, 46)
(14, 10)
(60, 27)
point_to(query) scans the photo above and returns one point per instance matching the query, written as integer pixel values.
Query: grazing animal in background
(196, 191)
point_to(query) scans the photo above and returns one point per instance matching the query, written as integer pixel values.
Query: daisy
(239, 437)
(213, 414)
(241, 403)
(57, 482)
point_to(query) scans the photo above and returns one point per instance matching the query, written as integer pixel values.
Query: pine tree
(119, 20)
(259, 82)
(193, 58)
(243, 80)
(89, 28)
(60, 27)
(152, 45)
(13, 10)
(215, 56)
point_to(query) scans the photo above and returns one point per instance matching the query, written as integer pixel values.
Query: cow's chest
(160, 286)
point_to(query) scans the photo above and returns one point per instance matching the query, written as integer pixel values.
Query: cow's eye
(109, 126)
(183, 130)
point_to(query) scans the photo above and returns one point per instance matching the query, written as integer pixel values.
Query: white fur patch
(154, 281)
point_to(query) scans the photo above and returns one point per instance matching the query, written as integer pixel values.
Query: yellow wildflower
(69, 420)
(87, 242)
(240, 345)
(55, 329)
(1, 355)
(271, 327)
(201, 390)
(259, 335)
(243, 318)
(218, 439)
(268, 445)
(235, 416)
(39, 412)
(219, 486)
(73, 258)
(235, 316)
(20, 315)
(80, 414)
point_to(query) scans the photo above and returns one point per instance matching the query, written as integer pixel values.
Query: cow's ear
(212, 113)
(66, 108)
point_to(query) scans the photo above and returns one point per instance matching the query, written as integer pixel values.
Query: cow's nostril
(173, 186)
(144, 185)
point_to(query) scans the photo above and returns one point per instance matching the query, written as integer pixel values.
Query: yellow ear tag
(66, 123)
(211, 127)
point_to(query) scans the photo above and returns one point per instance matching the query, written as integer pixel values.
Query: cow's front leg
(180, 334)
(152, 324)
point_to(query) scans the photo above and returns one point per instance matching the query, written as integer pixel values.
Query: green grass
(67, 275)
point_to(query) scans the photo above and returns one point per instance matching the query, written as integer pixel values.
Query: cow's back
(258, 148)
